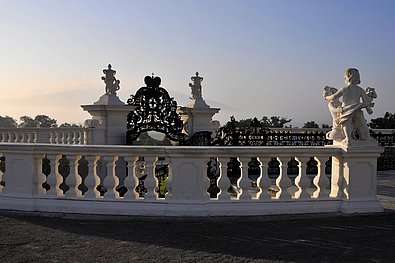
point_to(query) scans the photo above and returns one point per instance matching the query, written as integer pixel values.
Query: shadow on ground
(323, 238)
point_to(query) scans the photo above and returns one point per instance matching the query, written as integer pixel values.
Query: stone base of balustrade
(187, 208)
(361, 206)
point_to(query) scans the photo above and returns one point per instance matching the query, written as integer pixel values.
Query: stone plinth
(355, 175)
(199, 119)
(109, 117)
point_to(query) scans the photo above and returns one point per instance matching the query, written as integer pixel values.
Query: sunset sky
(257, 57)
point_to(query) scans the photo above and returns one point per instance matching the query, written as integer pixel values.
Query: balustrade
(74, 135)
(242, 175)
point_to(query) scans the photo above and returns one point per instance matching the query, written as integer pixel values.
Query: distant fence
(386, 161)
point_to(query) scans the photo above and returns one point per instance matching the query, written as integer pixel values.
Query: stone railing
(108, 180)
(72, 135)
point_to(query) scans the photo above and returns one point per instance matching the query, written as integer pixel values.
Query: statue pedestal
(354, 173)
(198, 117)
(109, 118)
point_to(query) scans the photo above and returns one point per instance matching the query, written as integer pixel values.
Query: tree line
(44, 121)
(385, 122)
(39, 121)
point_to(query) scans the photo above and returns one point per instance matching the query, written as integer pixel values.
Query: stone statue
(196, 87)
(112, 84)
(348, 120)
(335, 109)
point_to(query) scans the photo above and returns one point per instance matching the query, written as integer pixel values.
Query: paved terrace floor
(303, 238)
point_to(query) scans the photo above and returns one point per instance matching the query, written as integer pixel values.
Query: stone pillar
(109, 118)
(198, 119)
(359, 175)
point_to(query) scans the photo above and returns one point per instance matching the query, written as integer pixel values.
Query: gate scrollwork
(155, 111)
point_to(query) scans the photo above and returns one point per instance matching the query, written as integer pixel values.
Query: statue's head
(329, 91)
(351, 75)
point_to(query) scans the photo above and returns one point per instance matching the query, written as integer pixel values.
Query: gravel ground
(34, 237)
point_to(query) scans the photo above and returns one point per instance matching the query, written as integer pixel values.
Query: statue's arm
(365, 97)
(336, 95)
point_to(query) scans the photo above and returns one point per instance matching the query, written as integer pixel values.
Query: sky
(257, 57)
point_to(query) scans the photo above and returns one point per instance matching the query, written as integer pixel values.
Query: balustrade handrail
(185, 151)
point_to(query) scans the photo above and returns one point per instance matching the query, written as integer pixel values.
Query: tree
(45, 121)
(278, 122)
(27, 122)
(311, 124)
(244, 122)
(386, 122)
(146, 139)
(7, 122)
(68, 125)
(38, 121)
(272, 122)
(325, 126)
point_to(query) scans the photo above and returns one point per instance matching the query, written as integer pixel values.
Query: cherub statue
(350, 116)
(112, 84)
(196, 87)
(335, 109)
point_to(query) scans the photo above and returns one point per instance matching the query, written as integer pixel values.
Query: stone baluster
(39, 178)
(52, 178)
(321, 181)
(75, 137)
(151, 182)
(337, 177)
(63, 137)
(264, 180)
(9, 137)
(81, 138)
(55, 137)
(16, 137)
(206, 180)
(35, 137)
(69, 137)
(51, 137)
(91, 181)
(302, 181)
(131, 181)
(22, 137)
(111, 181)
(283, 182)
(28, 137)
(245, 182)
(223, 182)
(72, 179)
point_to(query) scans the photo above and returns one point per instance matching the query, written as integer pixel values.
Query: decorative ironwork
(202, 138)
(257, 135)
(155, 111)
(2, 169)
(386, 160)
